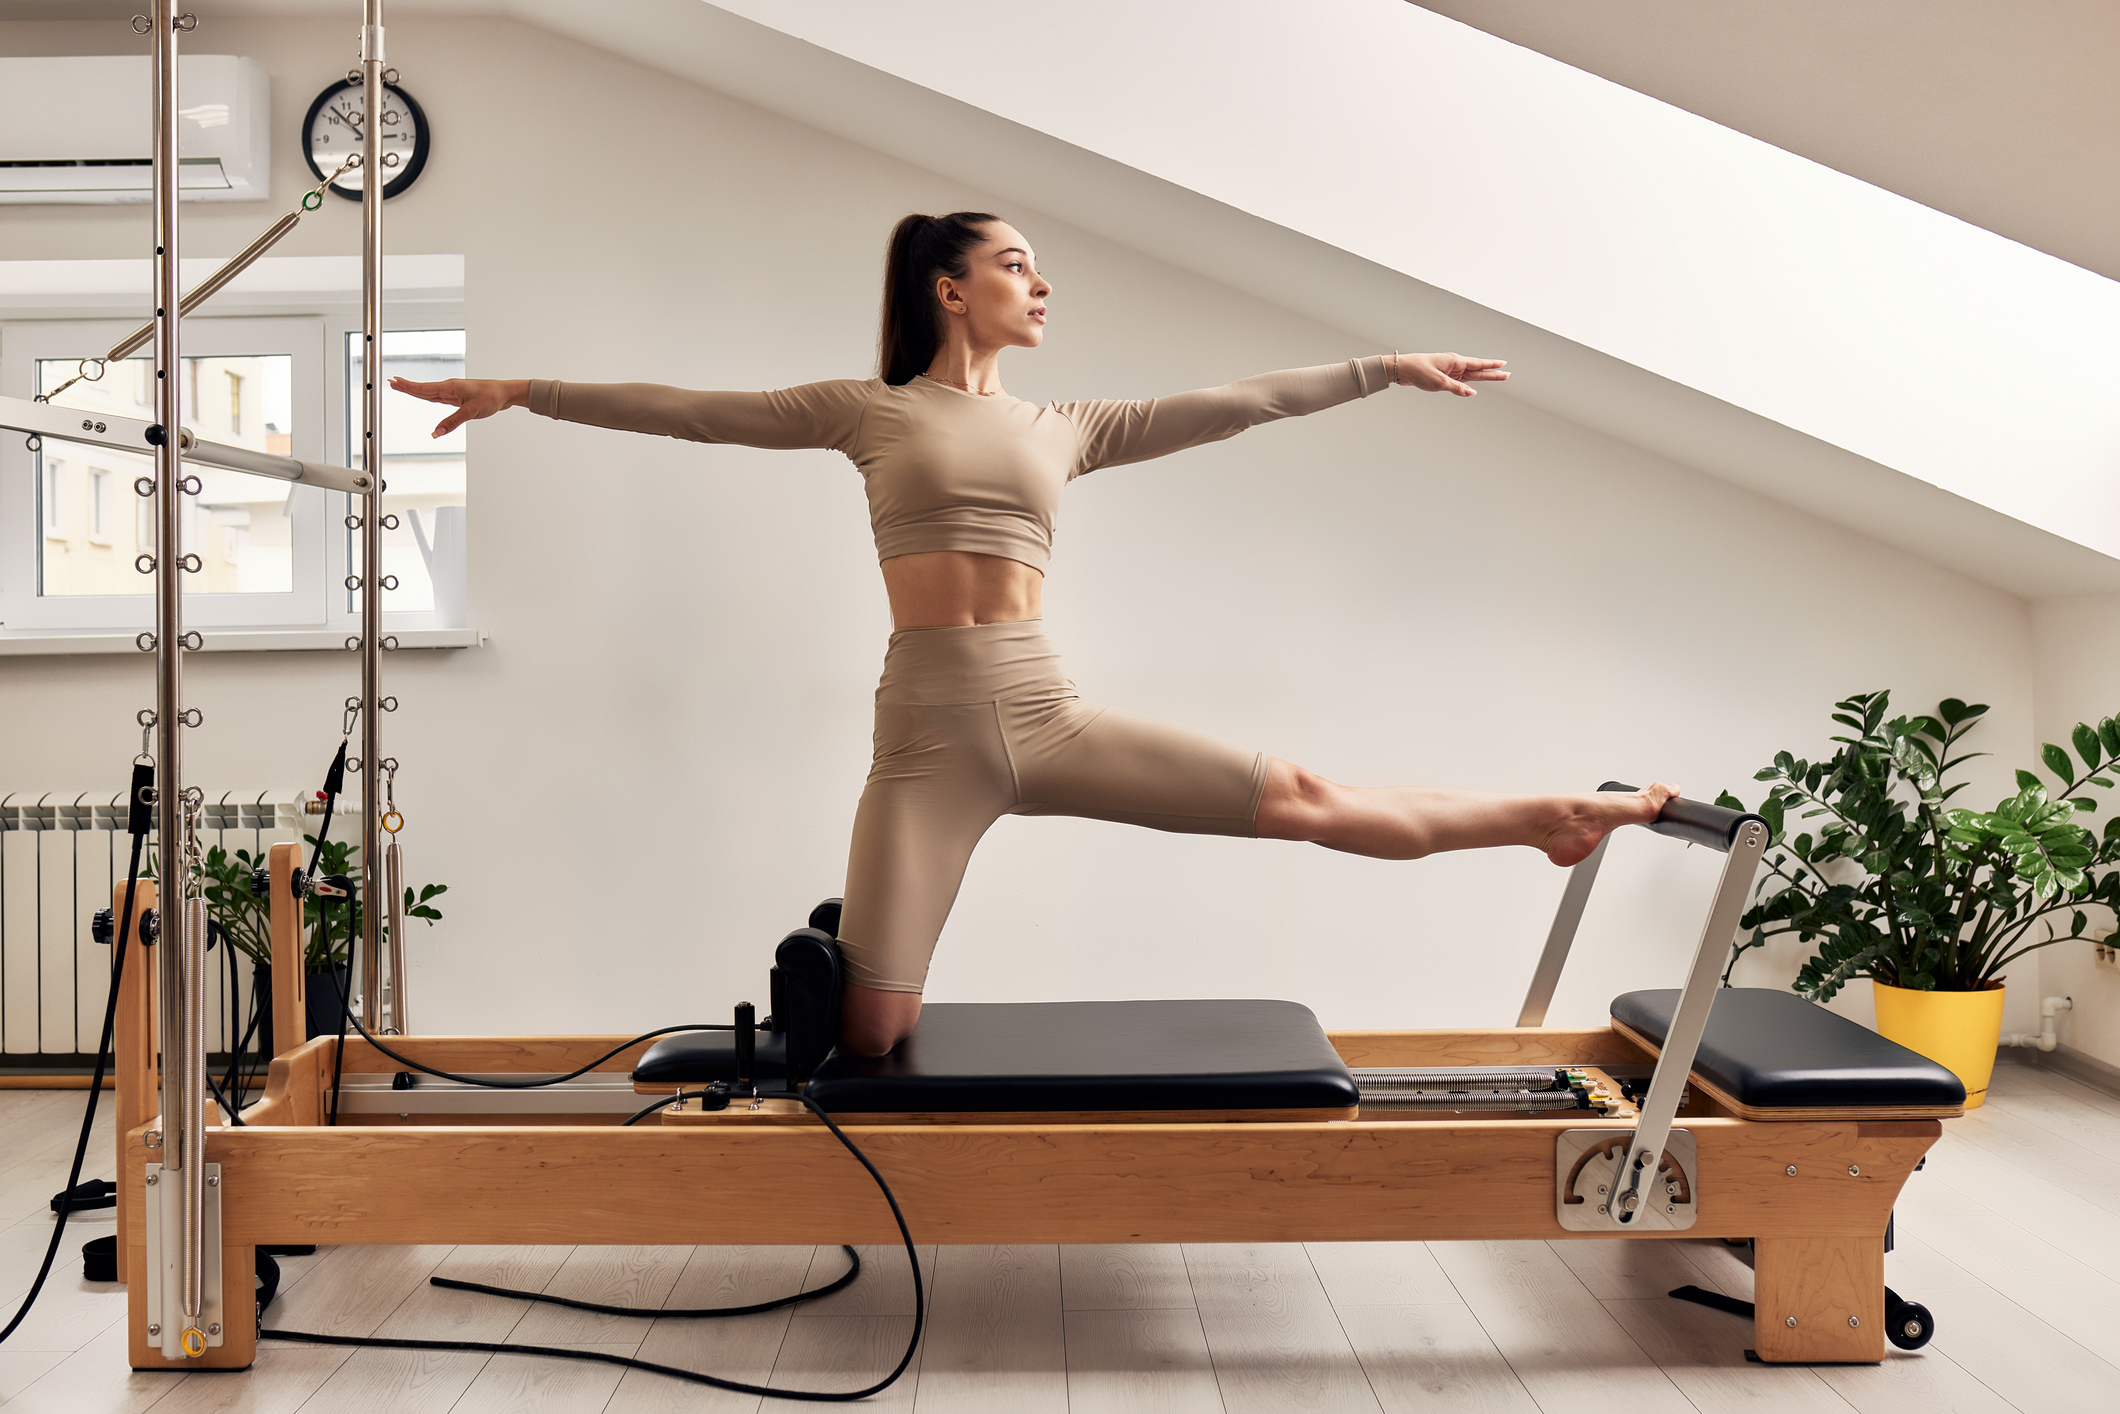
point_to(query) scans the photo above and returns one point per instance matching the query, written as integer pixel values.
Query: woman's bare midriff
(953, 588)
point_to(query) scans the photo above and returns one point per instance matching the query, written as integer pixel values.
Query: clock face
(332, 132)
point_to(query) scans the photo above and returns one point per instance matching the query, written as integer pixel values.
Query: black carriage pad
(1770, 1049)
(1095, 1056)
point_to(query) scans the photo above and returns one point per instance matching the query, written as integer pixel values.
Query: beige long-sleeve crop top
(951, 470)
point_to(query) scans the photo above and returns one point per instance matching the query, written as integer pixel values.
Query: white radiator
(61, 853)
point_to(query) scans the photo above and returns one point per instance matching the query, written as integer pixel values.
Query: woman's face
(1001, 298)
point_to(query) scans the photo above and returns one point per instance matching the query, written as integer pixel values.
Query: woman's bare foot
(1591, 817)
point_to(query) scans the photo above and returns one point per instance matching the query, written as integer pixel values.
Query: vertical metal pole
(183, 1126)
(372, 179)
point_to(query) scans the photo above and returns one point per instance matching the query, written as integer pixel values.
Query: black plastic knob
(103, 927)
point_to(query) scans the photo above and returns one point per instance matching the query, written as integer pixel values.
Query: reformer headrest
(810, 982)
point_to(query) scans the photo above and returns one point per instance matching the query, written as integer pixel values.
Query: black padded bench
(1769, 1054)
(1107, 1060)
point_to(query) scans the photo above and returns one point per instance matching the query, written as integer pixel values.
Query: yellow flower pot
(1957, 1030)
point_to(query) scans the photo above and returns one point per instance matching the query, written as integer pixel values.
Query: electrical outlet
(2106, 953)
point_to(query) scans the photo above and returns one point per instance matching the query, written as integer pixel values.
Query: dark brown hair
(922, 250)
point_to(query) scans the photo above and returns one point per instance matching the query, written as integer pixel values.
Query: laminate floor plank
(1133, 1360)
(1433, 1359)
(540, 1384)
(354, 1289)
(611, 1276)
(1914, 1382)
(995, 1337)
(1563, 1344)
(2074, 1299)
(1380, 1274)
(19, 1369)
(1703, 1353)
(2014, 1080)
(1141, 1276)
(1641, 1269)
(1276, 1343)
(2023, 1195)
(281, 1381)
(69, 1311)
(2096, 1129)
(432, 1381)
(1728, 1269)
(2021, 1357)
(1917, 1271)
(96, 1380)
(733, 1347)
(30, 1175)
(884, 1288)
(2064, 1162)
(849, 1353)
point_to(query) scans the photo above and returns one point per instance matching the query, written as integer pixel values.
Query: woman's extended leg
(1407, 822)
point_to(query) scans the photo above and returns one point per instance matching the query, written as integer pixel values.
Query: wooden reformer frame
(1813, 1192)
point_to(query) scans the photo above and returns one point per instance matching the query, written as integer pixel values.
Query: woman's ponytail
(922, 250)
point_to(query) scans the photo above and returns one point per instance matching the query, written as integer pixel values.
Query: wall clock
(333, 129)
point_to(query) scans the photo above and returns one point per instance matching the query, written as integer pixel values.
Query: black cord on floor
(690, 1376)
(853, 1270)
(95, 1084)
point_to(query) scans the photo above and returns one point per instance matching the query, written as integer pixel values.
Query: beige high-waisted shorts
(978, 722)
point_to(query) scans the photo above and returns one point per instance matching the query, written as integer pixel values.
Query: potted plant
(245, 921)
(1929, 901)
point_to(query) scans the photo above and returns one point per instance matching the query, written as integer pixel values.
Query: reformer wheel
(1907, 1324)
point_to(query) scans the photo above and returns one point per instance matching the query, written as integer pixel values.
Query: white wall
(648, 775)
(2078, 645)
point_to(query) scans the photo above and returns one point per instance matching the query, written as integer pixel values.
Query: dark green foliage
(1892, 883)
(247, 922)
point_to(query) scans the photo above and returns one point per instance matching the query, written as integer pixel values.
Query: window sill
(235, 641)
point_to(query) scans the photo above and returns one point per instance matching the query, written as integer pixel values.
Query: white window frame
(98, 494)
(304, 340)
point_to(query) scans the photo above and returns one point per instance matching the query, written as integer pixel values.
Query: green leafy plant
(1895, 884)
(246, 920)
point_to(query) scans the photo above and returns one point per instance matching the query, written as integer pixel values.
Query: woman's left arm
(1116, 432)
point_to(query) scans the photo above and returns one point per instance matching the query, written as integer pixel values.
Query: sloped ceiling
(1222, 138)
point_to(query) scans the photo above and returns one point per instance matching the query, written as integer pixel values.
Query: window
(263, 552)
(423, 476)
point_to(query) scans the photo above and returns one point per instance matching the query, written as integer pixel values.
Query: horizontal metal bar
(373, 1093)
(125, 434)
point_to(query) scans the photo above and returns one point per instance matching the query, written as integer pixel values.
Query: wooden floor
(2011, 1236)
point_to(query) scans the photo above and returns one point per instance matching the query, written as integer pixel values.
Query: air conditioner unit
(82, 129)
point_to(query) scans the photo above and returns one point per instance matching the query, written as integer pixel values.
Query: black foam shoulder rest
(1153, 1055)
(1775, 1050)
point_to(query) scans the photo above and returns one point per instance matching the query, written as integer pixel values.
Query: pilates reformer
(1740, 1114)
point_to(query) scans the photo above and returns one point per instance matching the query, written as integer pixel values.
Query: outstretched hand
(473, 398)
(1446, 372)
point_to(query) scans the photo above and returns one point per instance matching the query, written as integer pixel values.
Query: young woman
(974, 717)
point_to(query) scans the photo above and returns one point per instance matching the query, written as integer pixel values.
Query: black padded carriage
(1096, 1056)
(1772, 1050)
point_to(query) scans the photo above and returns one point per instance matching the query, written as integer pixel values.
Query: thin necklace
(975, 392)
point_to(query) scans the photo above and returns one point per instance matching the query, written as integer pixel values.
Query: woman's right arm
(813, 415)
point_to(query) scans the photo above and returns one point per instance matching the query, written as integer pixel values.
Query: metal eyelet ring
(390, 76)
(191, 717)
(187, 22)
(311, 200)
(389, 645)
(146, 644)
(353, 581)
(193, 641)
(191, 486)
(353, 763)
(353, 522)
(150, 796)
(390, 159)
(390, 120)
(353, 76)
(191, 564)
(143, 486)
(146, 717)
(33, 443)
(192, 1338)
(353, 644)
(389, 581)
(388, 704)
(141, 24)
(390, 522)
(144, 563)
(390, 815)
